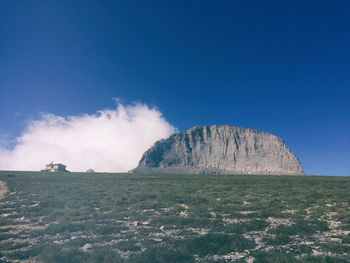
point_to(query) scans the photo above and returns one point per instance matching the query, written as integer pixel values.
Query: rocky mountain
(220, 149)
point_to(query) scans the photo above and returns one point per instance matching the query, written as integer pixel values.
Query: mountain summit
(220, 149)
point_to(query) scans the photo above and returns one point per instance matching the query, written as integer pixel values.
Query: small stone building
(55, 167)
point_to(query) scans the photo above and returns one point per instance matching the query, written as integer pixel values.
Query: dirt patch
(3, 189)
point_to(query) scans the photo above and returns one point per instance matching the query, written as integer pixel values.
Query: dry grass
(173, 218)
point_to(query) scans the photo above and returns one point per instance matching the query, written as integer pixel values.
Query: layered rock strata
(220, 149)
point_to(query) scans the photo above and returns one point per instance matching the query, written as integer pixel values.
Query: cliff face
(220, 149)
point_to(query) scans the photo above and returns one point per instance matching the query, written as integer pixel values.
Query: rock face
(220, 149)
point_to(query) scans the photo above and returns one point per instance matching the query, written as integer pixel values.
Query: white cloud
(108, 141)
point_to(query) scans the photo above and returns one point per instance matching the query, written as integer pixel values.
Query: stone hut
(55, 167)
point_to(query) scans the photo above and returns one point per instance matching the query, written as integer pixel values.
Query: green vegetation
(92, 217)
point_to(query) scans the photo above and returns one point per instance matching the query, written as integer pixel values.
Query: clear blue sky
(277, 66)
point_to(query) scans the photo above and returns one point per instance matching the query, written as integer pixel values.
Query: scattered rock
(184, 206)
(247, 212)
(250, 260)
(136, 223)
(86, 247)
(183, 214)
(212, 214)
(275, 222)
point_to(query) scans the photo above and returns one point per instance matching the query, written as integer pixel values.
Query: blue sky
(276, 66)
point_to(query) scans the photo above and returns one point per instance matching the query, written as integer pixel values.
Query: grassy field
(77, 217)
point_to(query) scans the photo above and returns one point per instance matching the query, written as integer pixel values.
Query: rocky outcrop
(220, 149)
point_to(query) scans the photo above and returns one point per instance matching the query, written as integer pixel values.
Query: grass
(174, 218)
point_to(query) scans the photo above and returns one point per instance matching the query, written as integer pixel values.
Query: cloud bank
(108, 141)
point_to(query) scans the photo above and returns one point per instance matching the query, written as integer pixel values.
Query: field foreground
(77, 217)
